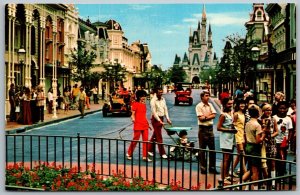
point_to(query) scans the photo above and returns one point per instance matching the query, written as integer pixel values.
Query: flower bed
(52, 178)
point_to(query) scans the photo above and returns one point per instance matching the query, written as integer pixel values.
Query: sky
(166, 27)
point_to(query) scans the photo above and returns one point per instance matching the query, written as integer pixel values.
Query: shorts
(253, 150)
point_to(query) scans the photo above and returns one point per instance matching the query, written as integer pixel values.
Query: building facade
(282, 54)
(95, 39)
(135, 57)
(258, 35)
(38, 38)
(272, 28)
(200, 52)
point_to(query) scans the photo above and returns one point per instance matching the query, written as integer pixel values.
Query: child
(239, 125)
(225, 125)
(254, 136)
(269, 146)
(285, 125)
(183, 140)
(183, 153)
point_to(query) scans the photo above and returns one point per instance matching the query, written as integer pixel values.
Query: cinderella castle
(200, 53)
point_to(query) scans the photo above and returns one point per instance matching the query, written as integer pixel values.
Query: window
(259, 15)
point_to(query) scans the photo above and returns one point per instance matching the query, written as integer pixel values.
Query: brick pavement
(14, 127)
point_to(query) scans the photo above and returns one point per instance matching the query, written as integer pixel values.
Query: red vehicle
(183, 93)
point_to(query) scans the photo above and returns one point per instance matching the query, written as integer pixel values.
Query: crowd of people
(27, 106)
(266, 131)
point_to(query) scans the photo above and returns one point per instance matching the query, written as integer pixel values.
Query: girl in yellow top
(239, 125)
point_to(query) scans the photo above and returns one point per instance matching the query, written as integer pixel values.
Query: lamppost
(114, 72)
(255, 56)
(21, 58)
(209, 83)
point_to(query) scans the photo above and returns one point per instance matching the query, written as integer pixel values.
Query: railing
(106, 156)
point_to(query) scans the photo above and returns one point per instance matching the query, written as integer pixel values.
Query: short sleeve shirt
(141, 122)
(252, 129)
(284, 125)
(203, 109)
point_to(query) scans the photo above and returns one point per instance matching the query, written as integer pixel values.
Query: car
(183, 93)
(117, 104)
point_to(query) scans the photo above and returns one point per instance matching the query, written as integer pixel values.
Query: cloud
(168, 32)
(220, 19)
(190, 20)
(139, 7)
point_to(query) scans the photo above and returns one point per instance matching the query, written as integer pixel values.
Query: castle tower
(203, 34)
(200, 54)
(209, 44)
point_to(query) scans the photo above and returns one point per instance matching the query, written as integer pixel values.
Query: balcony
(49, 40)
(60, 44)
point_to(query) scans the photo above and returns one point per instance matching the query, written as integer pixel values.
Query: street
(94, 125)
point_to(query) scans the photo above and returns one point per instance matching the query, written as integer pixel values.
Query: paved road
(96, 125)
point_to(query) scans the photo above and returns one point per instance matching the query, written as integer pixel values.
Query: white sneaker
(128, 157)
(164, 156)
(147, 159)
(150, 153)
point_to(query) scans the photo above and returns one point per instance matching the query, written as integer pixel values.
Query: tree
(114, 73)
(177, 74)
(241, 57)
(209, 75)
(82, 62)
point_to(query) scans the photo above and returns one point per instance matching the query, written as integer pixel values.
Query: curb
(26, 128)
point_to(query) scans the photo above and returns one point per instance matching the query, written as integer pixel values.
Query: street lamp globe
(21, 55)
(255, 53)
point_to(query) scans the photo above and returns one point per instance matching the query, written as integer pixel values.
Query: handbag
(284, 143)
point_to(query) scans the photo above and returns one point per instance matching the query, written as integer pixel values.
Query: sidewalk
(14, 127)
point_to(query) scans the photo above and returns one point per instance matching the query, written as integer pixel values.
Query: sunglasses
(279, 122)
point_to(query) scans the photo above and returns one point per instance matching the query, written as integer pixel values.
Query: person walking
(40, 103)
(82, 98)
(159, 111)
(206, 113)
(75, 94)
(12, 97)
(140, 125)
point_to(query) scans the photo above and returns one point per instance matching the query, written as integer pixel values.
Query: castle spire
(191, 31)
(209, 29)
(203, 12)
(198, 25)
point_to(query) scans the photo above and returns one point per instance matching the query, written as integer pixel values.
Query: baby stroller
(184, 149)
